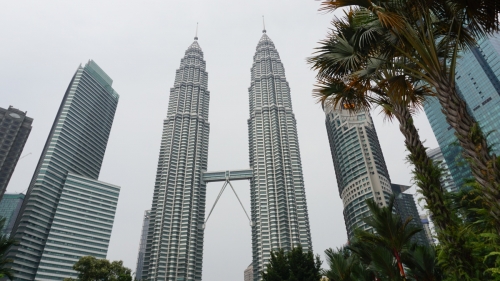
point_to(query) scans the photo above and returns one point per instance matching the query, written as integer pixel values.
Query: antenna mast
(264, 25)
(196, 35)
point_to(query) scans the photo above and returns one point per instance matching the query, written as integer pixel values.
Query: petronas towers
(174, 246)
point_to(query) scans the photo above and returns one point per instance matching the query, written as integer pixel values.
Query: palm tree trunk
(473, 141)
(426, 172)
(400, 264)
(427, 179)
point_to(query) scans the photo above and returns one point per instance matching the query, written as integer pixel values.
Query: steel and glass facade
(81, 227)
(15, 128)
(446, 179)
(174, 247)
(407, 209)
(278, 200)
(9, 209)
(477, 82)
(61, 201)
(359, 164)
(142, 245)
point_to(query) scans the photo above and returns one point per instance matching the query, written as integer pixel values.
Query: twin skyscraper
(174, 244)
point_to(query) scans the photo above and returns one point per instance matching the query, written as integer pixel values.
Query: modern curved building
(359, 164)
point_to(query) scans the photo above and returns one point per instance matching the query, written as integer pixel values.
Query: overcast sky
(139, 44)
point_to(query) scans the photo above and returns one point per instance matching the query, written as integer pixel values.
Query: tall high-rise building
(15, 128)
(67, 212)
(359, 164)
(446, 179)
(174, 247)
(407, 209)
(477, 80)
(9, 209)
(142, 245)
(278, 199)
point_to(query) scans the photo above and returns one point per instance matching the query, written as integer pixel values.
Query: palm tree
(5, 243)
(421, 38)
(348, 76)
(421, 263)
(363, 81)
(390, 231)
(344, 265)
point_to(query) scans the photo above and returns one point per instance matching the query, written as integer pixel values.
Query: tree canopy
(294, 265)
(92, 269)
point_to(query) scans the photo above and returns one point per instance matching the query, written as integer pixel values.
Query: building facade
(278, 200)
(248, 274)
(427, 229)
(407, 209)
(142, 245)
(477, 82)
(446, 179)
(82, 226)
(174, 247)
(67, 212)
(15, 128)
(359, 164)
(9, 209)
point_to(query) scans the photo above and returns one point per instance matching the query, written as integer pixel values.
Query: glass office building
(278, 199)
(477, 81)
(446, 179)
(67, 212)
(15, 128)
(9, 209)
(142, 245)
(407, 209)
(359, 164)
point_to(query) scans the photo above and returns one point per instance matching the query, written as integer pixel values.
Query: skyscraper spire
(264, 25)
(196, 35)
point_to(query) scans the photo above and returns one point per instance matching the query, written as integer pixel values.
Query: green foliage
(386, 254)
(343, 265)
(294, 265)
(5, 244)
(91, 269)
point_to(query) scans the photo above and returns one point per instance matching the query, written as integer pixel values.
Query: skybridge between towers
(227, 177)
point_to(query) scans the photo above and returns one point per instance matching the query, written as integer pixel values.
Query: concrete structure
(142, 245)
(407, 209)
(478, 82)
(278, 200)
(9, 209)
(15, 128)
(279, 218)
(248, 274)
(427, 229)
(446, 179)
(359, 164)
(174, 248)
(67, 212)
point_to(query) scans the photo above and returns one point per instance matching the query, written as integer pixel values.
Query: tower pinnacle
(264, 25)
(196, 35)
